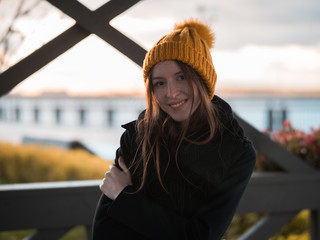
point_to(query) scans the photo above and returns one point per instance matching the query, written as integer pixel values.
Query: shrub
(35, 163)
(297, 228)
(304, 145)
(241, 223)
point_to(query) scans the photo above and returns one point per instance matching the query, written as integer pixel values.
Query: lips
(177, 104)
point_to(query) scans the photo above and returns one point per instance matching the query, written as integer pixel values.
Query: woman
(183, 165)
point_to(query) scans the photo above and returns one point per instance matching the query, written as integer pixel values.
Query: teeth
(178, 104)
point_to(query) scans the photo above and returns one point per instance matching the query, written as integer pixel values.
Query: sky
(260, 45)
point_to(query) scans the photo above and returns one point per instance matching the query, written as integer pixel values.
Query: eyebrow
(160, 77)
(156, 78)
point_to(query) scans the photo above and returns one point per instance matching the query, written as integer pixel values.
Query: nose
(172, 90)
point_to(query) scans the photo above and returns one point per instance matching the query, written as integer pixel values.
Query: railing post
(315, 224)
(88, 231)
(267, 226)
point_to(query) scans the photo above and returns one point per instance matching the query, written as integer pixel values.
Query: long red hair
(157, 128)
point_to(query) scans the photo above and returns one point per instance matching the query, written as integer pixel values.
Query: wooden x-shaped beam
(87, 22)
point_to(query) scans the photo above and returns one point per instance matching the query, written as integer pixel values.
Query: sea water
(303, 113)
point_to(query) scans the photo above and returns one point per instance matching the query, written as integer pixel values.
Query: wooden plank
(48, 205)
(97, 22)
(274, 151)
(41, 57)
(59, 203)
(114, 8)
(315, 224)
(267, 226)
(281, 193)
(115, 38)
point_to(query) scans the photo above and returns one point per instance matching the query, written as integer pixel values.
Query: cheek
(158, 95)
(196, 98)
(190, 90)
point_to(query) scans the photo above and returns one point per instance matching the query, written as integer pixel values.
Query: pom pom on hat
(202, 29)
(190, 42)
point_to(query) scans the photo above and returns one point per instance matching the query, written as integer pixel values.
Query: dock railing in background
(56, 207)
(52, 208)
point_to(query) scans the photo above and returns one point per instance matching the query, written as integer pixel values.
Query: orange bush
(35, 163)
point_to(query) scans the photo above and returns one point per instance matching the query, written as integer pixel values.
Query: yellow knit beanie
(190, 42)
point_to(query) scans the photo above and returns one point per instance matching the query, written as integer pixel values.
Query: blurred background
(266, 54)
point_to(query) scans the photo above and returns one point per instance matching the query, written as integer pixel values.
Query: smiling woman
(183, 165)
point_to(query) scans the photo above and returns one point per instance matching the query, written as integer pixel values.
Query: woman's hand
(116, 180)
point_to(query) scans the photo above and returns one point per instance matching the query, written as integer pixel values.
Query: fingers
(108, 172)
(111, 166)
(115, 180)
(113, 170)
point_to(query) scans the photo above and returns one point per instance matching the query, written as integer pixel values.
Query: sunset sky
(260, 45)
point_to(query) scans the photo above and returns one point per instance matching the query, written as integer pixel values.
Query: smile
(177, 104)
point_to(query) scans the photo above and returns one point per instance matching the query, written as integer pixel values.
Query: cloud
(269, 67)
(236, 23)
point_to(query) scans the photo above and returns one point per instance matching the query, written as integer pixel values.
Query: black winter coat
(199, 204)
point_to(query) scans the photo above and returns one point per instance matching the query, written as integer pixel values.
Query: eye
(180, 77)
(158, 84)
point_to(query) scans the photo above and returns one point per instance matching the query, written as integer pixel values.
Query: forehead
(165, 67)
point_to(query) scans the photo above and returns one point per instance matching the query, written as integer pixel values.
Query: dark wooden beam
(280, 192)
(98, 22)
(88, 22)
(315, 224)
(41, 57)
(268, 226)
(274, 151)
(56, 204)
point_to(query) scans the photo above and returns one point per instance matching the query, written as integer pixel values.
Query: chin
(179, 119)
